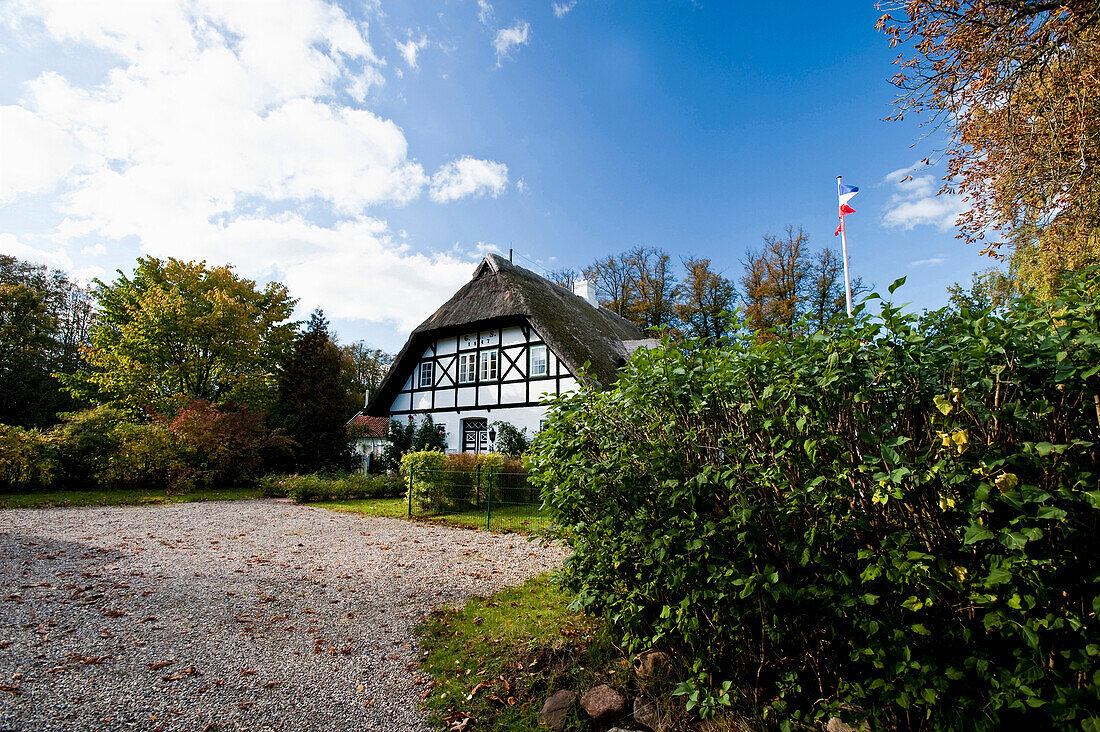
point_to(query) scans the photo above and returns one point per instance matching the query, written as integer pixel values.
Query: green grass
(65, 499)
(519, 518)
(509, 652)
(384, 507)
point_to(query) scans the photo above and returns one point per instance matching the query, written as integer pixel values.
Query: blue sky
(367, 154)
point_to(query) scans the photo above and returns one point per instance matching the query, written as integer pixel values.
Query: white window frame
(545, 371)
(426, 370)
(467, 367)
(487, 358)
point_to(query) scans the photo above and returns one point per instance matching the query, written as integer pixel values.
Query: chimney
(583, 288)
(366, 399)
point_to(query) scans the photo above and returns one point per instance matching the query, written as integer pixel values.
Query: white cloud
(915, 201)
(58, 258)
(468, 177)
(411, 48)
(510, 38)
(224, 131)
(562, 9)
(521, 186)
(485, 12)
(929, 261)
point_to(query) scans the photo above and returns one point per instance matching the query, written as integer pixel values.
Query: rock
(556, 709)
(836, 725)
(645, 713)
(651, 663)
(602, 702)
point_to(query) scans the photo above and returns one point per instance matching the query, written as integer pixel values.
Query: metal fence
(480, 498)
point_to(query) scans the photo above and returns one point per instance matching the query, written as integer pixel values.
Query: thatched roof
(501, 293)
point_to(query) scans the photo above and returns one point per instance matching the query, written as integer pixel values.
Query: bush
(27, 459)
(510, 439)
(227, 447)
(896, 523)
(342, 487)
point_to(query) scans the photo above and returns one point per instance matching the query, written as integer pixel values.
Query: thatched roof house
(506, 339)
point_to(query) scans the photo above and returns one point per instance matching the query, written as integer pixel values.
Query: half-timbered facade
(496, 350)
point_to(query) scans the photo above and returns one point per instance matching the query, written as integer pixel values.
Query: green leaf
(975, 533)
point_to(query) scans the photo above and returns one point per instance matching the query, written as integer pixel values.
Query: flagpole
(844, 248)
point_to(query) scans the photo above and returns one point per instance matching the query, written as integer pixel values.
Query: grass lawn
(121, 497)
(498, 658)
(519, 518)
(384, 507)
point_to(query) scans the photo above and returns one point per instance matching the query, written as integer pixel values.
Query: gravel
(249, 615)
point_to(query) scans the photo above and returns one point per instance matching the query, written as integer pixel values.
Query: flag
(845, 194)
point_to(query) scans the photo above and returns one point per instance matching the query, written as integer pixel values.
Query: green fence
(482, 498)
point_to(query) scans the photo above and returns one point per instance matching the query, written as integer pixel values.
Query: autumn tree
(707, 302)
(615, 283)
(656, 287)
(174, 332)
(785, 282)
(638, 285)
(1015, 84)
(312, 403)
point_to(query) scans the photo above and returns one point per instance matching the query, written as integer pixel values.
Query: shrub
(227, 447)
(423, 471)
(510, 439)
(342, 487)
(27, 459)
(898, 522)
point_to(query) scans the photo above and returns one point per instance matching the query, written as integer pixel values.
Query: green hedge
(316, 487)
(897, 522)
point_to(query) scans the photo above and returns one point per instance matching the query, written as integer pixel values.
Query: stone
(651, 663)
(645, 713)
(836, 725)
(556, 709)
(603, 702)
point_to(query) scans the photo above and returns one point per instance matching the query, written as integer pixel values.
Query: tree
(511, 440)
(364, 367)
(708, 301)
(775, 281)
(656, 287)
(565, 277)
(1014, 82)
(990, 290)
(430, 436)
(399, 440)
(784, 283)
(613, 279)
(179, 331)
(637, 285)
(312, 403)
(43, 323)
(824, 297)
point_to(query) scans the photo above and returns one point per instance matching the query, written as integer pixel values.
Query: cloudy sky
(367, 153)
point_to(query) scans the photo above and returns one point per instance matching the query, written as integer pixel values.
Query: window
(540, 364)
(489, 363)
(467, 368)
(426, 375)
(543, 423)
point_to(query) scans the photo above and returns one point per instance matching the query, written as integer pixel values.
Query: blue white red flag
(844, 193)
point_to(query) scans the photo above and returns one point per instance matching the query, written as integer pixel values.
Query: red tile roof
(370, 426)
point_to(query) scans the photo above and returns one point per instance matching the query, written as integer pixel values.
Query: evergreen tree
(312, 402)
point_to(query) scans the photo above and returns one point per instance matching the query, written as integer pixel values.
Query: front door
(475, 435)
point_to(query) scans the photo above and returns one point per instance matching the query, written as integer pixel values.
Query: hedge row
(313, 487)
(102, 448)
(898, 522)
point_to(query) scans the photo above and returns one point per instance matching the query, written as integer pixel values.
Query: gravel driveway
(229, 615)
